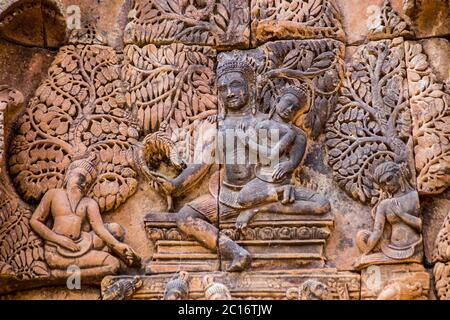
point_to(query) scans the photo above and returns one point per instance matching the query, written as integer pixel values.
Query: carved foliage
(371, 123)
(207, 22)
(315, 63)
(21, 251)
(78, 109)
(283, 19)
(385, 23)
(431, 122)
(170, 86)
(441, 272)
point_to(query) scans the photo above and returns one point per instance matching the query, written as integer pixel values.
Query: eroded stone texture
(405, 282)
(38, 23)
(298, 19)
(217, 23)
(429, 18)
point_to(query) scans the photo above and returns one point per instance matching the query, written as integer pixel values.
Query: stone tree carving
(371, 122)
(370, 145)
(21, 251)
(385, 23)
(206, 22)
(430, 109)
(170, 91)
(296, 19)
(79, 109)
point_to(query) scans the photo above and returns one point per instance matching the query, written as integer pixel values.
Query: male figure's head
(80, 175)
(235, 83)
(177, 288)
(215, 290)
(291, 101)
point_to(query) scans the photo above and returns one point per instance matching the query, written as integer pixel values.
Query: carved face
(76, 178)
(390, 182)
(233, 91)
(319, 292)
(287, 106)
(175, 294)
(219, 296)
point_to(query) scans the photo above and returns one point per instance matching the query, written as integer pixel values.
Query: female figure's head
(291, 102)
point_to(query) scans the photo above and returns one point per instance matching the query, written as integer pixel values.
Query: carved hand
(68, 244)
(167, 185)
(281, 169)
(128, 255)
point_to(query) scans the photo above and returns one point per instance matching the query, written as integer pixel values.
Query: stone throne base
(276, 242)
(271, 285)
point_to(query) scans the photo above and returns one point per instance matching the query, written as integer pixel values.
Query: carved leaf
(369, 127)
(79, 109)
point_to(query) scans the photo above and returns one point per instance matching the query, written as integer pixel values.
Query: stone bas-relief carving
(79, 109)
(398, 207)
(121, 289)
(276, 102)
(297, 19)
(66, 241)
(395, 282)
(217, 23)
(22, 254)
(247, 285)
(113, 148)
(441, 259)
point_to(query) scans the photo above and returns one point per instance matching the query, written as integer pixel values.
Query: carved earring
(253, 100)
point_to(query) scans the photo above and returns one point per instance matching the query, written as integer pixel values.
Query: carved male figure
(78, 235)
(236, 88)
(399, 207)
(199, 217)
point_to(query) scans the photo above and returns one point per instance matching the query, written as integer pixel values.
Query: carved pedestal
(282, 241)
(173, 250)
(276, 242)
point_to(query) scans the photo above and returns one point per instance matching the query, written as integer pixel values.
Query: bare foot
(241, 261)
(245, 217)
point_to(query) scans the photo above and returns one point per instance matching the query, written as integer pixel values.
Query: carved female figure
(276, 159)
(398, 207)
